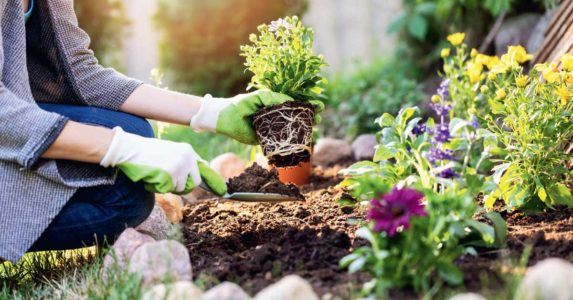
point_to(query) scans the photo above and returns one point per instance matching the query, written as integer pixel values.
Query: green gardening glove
(163, 166)
(232, 116)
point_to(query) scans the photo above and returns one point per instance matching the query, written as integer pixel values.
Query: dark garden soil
(257, 244)
(545, 234)
(255, 179)
(283, 126)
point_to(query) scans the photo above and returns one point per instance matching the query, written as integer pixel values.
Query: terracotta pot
(297, 175)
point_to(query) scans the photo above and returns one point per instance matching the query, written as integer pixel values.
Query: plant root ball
(285, 132)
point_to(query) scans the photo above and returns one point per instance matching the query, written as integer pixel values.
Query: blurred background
(382, 54)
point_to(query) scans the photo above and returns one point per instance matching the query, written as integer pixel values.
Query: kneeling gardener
(68, 125)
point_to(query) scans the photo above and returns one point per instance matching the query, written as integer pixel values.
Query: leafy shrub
(532, 119)
(434, 229)
(106, 23)
(529, 115)
(353, 101)
(282, 60)
(435, 161)
(424, 24)
(201, 39)
(417, 229)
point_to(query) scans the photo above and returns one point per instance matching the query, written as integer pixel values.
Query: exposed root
(285, 130)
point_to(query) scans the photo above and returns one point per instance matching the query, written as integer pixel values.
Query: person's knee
(138, 126)
(142, 206)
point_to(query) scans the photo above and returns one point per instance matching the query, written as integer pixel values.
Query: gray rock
(468, 296)
(161, 260)
(129, 241)
(181, 290)
(550, 279)
(226, 291)
(329, 151)
(289, 288)
(363, 147)
(515, 31)
(157, 225)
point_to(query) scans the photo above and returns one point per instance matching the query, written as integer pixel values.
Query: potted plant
(281, 60)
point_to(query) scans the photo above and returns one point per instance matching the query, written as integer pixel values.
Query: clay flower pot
(285, 133)
(297, 175)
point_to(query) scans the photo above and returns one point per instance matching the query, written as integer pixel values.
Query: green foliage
(403, 157)
(422, 256)
(424, 24)
(281, 60)
(201, 39)
(354, 100)
(533, 124)
(105, 22)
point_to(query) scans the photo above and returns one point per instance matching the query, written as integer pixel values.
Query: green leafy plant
(532, 119)
(415, 237)
(354, 100)
(200, 43)
(424, 24)
(281, 59)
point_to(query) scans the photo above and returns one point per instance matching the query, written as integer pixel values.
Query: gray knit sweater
(46, 60)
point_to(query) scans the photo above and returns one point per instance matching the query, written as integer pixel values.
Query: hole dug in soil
(285, 132)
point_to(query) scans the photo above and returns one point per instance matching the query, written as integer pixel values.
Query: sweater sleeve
(95, 85)
(26, 131)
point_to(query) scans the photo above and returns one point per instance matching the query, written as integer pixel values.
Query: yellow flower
(500, 67)
(567, 62)
(474, 52)
(500, 94)
(491, 76)
(456, 38)
(569, 78)
(519, 54)
(521, 81)
(445, 52)
(563, 94)
(436, 99)
(484, 89)
(474, 73)
(548, 71)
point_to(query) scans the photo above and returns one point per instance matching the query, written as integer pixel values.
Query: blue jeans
(97, 215)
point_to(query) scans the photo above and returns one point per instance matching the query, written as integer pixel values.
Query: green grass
(66, 275)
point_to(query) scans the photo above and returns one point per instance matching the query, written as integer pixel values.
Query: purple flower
(419, 129)
(442, 133)
(437, 154)
(394, 210)
(448, 174)
(444, 89)
(474, 122)
(442, 110)
(276, 25)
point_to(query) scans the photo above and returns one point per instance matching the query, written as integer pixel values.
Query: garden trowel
(254, 197)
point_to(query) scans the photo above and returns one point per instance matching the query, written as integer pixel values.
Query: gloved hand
(164, 166)
(232, 116)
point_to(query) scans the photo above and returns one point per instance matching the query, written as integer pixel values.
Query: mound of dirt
(256, 179)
